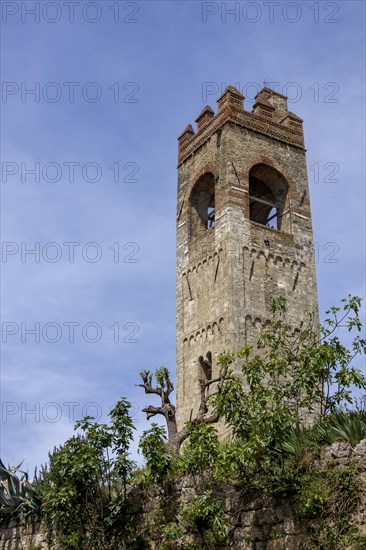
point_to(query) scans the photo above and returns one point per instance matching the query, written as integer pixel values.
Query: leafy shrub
(295, 376)
(206, 517)
(202, 449)
(84, 487)
(154, 449)
(335, 535)
(334, 493)
(311, 499)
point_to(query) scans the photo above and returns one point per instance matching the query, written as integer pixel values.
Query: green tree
(293, 379)
(84, 486)
(202, 449)
(153, 445)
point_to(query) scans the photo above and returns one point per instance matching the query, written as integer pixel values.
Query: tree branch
(168, 410)
(147, 383)
(152, 411)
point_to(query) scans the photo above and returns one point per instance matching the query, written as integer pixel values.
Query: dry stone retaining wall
(254, 522)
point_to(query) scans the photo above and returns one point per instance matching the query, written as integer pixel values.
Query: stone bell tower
(244, 233)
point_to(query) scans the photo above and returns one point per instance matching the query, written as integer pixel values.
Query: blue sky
(167, 60)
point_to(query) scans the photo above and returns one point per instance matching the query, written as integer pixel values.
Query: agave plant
(324, 432)
(296, 443)
(349, 426)
(343, 425)
(18, 497)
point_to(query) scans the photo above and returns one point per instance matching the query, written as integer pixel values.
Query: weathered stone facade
(230, 270)
(32, 536)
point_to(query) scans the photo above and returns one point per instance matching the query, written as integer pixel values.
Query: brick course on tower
(244, 233)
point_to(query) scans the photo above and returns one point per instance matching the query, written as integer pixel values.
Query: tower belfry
(244, 233)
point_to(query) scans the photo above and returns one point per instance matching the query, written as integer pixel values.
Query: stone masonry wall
(23, 537)
(254, 522)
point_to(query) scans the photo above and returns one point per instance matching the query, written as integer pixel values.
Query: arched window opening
(267, 195)
(203, 205)
(205, 367)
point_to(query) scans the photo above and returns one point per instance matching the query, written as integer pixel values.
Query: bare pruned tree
(164, 389)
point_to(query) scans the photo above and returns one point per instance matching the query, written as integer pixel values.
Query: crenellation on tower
(263, 108)
(186, 136)
(244, 233)
(231, 98)
(275, 99)
(269, 117)
(204, 118)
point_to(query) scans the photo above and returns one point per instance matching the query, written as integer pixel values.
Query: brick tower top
(269, 116)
